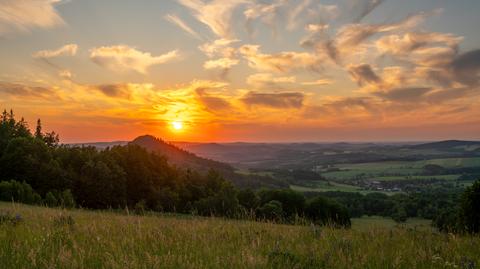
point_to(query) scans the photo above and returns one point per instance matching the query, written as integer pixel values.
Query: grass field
(324, 186)
(366, 223)
(333, 186)
(46, 238)
(401, 169)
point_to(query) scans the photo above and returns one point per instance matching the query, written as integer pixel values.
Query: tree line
(36, 169)
(450, 209)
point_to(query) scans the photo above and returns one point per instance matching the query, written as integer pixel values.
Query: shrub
(323, 211)
(293, 203)
(399, 215)
(66, 199)
(447, 221)
(224, 203)
(51, 200)
(273, 210)
(248, 199)
(140, 207)
(19, 192)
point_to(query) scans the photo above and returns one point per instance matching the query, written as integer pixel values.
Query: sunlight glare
(177, 125)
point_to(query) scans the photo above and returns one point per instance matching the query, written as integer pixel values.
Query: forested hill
(186, 159)
(448, 145)
(180, 157)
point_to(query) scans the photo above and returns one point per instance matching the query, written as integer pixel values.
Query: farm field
(333, 186)
(54, 238)
(398, 170)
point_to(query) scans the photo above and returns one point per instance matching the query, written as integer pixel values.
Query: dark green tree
(248, 199)
(38, 130)
(273, 210)
(470, 208)
(323, 211)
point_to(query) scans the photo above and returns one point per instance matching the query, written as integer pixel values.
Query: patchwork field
(54, 238)
(332, 186)
(399, 170)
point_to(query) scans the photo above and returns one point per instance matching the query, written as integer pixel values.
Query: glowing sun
(177, 125)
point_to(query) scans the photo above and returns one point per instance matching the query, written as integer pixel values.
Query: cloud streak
(281, 62)
(24, 91)
(26, 15)
(216, 14)
(286, 100)
(174, 19)
(66, 50)
(122, 57)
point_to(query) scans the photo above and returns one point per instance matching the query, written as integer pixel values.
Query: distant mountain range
(227, 157)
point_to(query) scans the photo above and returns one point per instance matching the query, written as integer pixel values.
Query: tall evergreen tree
(38, 130)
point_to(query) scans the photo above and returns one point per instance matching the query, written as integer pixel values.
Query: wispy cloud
(266, 12)
(25, 15)
(66, 50)
(216, 14)
(363, 74)
(213, 103)
(183, 25)
(25, 91)
(115, 90)
(351, 38)
(319, 82)
(359, 9)
(122, 57)
(262, 80)
(280, 62)
(274, 100)
(222, 63)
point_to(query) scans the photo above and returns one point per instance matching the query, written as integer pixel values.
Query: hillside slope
(179, 156)
(447, 145)
(185, 159)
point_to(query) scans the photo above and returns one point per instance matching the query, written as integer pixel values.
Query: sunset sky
(244, 70)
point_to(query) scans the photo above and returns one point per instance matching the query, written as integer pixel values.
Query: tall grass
(54, 238)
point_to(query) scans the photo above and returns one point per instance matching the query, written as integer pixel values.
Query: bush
(66, 199)
(167, 200)
(51, 200)
(323, 211)
(272, 210)
(400, 214)
(248, 199)
(140, 207)
(447, 221)
(18, 192)
(293, 203)
(224, 203)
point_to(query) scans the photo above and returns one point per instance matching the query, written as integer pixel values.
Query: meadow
(399, 170)
(57, 238)
(324, 186)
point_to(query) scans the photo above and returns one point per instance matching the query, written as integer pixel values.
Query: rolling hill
(180, 157)
(188, 160)
(448, 145)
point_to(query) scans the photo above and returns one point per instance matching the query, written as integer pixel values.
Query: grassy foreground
(48, 238)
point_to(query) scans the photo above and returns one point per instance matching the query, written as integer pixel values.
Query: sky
(243, 70)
